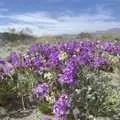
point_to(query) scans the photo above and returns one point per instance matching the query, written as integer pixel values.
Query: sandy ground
(35, 115)
(23, 115)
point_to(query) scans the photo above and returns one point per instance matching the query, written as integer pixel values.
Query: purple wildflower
(27, 61)
(6, 68)
(41, 90)
(69, 73)
(37, 63)
(35, 48)
(14, 59)
(54, 58)
(61, 108)
(99, 63)
(85, 59)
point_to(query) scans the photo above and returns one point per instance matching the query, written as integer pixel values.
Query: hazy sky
(60, 16)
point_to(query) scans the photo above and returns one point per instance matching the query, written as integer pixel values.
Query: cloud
(43, 23)
(37, 17)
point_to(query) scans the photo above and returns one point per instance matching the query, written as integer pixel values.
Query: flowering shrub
(66, 77)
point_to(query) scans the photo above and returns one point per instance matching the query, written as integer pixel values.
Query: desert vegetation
(65, 79)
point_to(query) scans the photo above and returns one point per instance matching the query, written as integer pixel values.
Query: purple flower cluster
(84, 50)
(5, 69)
(41, 57)
(54, 59)
(99, 63)
(41, 90)
(14, 59)
(112, 48)
(61, 108)
(69, 73)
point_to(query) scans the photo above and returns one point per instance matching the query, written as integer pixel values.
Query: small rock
(3, 111)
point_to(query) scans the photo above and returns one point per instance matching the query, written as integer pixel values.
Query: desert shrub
(16, 89)
(84, 35)
(95, 96)
(7, 90)
(67, 80)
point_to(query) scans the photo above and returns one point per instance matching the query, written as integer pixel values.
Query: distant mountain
(115, 32)
(109, 31)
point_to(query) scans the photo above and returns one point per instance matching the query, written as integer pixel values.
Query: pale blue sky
(59, 16)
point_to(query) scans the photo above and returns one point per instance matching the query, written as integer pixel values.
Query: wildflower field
(65, 81)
